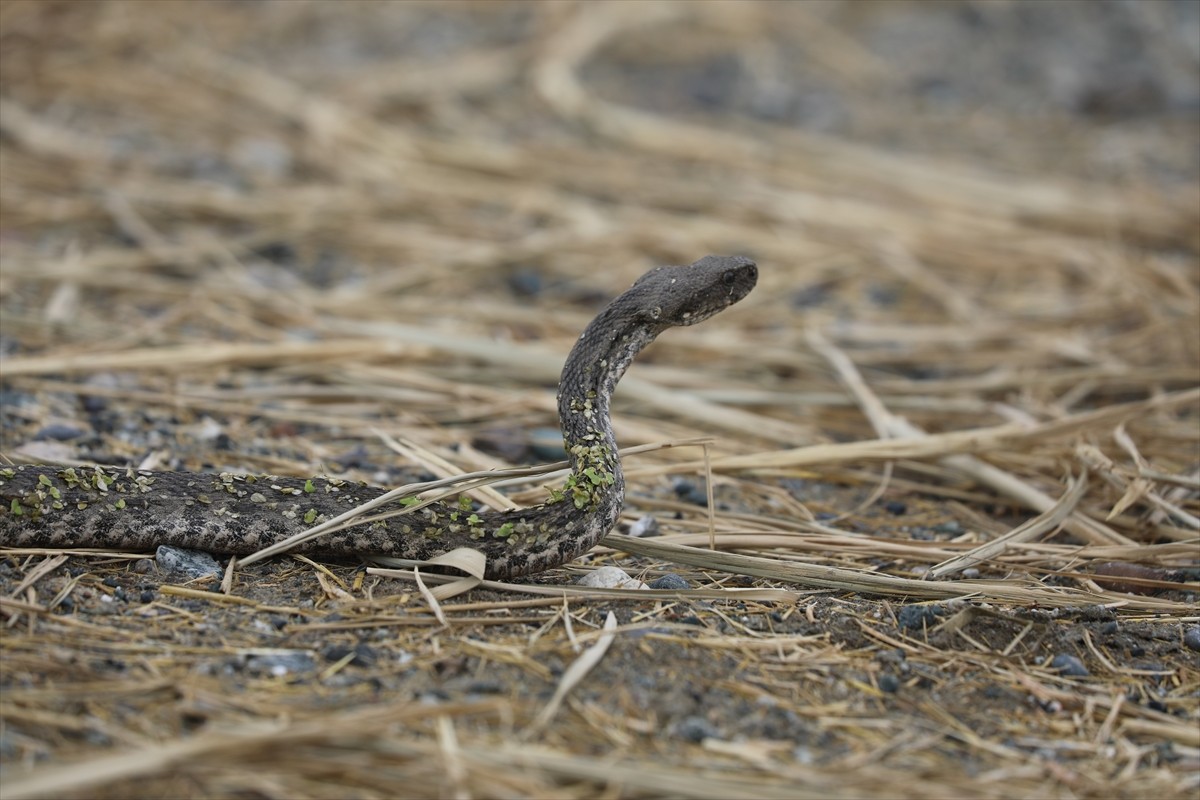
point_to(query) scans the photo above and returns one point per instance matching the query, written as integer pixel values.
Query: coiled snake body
(48, 506)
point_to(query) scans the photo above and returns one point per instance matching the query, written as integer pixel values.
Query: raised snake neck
(127, 509)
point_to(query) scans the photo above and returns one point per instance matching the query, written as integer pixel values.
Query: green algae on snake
(111, 507)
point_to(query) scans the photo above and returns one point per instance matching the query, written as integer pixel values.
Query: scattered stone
(206, 430)
(610, 578)
(896, 507)
(645, 526)
(670, 582)
(358, 458)
(696, 729)
(59, 432)
(918, 616)
(889, 683)
(895, 657)
(280, 663)
(1069, 665)
(546, 444)
(483, 687)
(189, 564)
(810, 296)
(364, 654)
(95, 403)
(1191, 637)
(691, 492)
(526, 282)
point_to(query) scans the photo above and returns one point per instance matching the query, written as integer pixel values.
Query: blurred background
(1015, 182)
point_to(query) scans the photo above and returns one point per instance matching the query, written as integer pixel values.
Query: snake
(56, 507)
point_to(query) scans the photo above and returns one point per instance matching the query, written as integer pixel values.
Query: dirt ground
(952, 436)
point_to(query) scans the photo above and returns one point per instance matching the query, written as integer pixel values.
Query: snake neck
(590, 375)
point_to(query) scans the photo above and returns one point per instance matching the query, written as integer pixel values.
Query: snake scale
(110, 507)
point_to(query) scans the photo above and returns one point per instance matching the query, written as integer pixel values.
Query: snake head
(667, 296)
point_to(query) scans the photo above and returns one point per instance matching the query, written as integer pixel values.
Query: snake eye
(729, 277)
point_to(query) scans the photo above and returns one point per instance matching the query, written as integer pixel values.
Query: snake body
(128, 509)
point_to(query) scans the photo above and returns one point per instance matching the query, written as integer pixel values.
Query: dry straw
(201, 217)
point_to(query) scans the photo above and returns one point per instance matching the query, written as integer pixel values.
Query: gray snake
(109, 507)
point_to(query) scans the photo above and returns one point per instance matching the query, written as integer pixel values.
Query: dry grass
(211, 220)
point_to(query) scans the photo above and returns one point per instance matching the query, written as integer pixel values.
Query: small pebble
(645, 526)
(895, 507)
(1069, 665)
(917, 616)
(364, 655)
(358, 458)
(1191, 637)
(94, 403)
(610, 578)
(696, 729)
(526, 282)
(670, 582)
(485, 687)
(889, 683)
(546, 444)
(186, 563)
(810, 296)
(281, 663)
(59, 432)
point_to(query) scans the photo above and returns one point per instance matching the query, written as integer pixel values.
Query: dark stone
(670, 581)
(696, 729)
(917, 616)
(59, 432)
(1069, 665)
